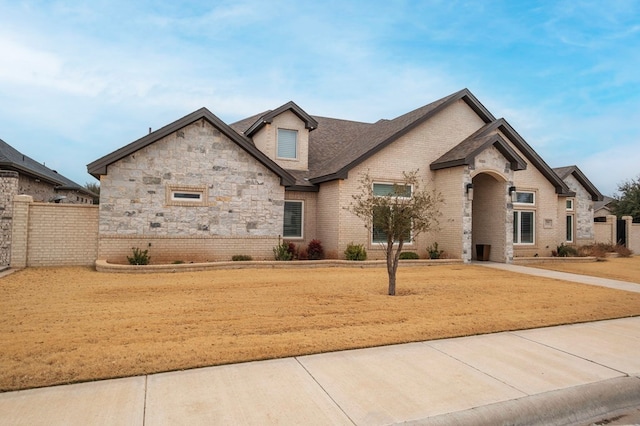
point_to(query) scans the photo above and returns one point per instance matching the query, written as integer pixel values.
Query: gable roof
(339, 145)
(267, 118)
(466, 151)
(563, 172)
(99, 166)
(12, 159)
(518, 141)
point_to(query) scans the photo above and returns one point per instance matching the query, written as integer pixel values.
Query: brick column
(20, 230)
(611, 221)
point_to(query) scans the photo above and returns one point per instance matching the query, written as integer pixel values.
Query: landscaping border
(104, 266)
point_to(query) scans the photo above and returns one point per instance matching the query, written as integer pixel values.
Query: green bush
(241, 257)
(433, 251)
(281, 252)
(409, 255)
(566, 251)
(140, 257)
(355, 252)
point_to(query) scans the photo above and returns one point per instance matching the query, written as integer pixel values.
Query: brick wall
(163, 249)
(46, 234)
(605, 232)
(415, 150)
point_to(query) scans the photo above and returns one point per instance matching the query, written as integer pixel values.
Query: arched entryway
(490, 218)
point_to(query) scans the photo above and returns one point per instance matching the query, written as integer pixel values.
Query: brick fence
(45, 234)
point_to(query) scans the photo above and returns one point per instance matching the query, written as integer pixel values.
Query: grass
(615, 268)
(64, 325)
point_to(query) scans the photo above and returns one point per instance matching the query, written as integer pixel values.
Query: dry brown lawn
(615, 268)
(62, 325)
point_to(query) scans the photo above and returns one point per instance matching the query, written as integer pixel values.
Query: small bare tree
(395, 213)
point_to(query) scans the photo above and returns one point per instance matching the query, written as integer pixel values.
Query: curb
(578, 405)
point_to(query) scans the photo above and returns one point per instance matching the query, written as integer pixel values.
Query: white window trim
(571, 208)
(278, 142)
(533, 203)
(572, 228)
(301, 237)
(411, 238)
(172, 200)
(533, 230)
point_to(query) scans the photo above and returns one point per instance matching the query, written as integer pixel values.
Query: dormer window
(287, 144)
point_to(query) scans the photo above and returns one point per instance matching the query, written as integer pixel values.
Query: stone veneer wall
(582, 211)
(241, 212)
(8, 189)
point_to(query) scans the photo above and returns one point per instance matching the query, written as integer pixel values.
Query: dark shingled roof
(336, 146)
(12, 159)
(565, 171)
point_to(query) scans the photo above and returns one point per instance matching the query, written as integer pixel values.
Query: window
(186, 196)
(525, 197)
(381, 214)
(570, 204)
(387, 189)
(569, 228)
(523, 227)
(178, 195)
(287, 144)
(293, 219)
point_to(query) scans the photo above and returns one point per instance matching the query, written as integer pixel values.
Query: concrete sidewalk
(573, 374)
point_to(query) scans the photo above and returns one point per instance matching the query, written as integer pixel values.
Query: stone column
(20, 230)
(8, 189)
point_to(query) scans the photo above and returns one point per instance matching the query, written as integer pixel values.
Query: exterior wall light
(470, 191)
(513, 193)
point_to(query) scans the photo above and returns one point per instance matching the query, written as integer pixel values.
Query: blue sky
(81, 79)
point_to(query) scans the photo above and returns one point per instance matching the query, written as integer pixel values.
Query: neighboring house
(603, 208)
(199, 189)
(39, 181)
(21, 175)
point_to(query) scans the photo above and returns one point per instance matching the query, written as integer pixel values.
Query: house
(603, 208)
(200, 189)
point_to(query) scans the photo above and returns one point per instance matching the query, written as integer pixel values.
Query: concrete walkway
(573, 374)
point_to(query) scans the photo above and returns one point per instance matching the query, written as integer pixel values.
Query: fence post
(20, 230)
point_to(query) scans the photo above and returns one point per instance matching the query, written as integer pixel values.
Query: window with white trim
(388, 190)
(189, 196)
(569, 204)
(523, 227)
(525, 197)
(186, 195)
(293, 219)
(287, 144)
(569, 228)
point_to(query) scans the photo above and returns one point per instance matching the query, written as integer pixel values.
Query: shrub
(566, 251)
(293, 250)
(433, 251)
(281, 252)
(241, 257)
(406, 255)
(355, 252)
(140, 257)
(315, 250)
(623, 251)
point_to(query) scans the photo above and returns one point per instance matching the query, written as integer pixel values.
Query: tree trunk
(392, 265)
